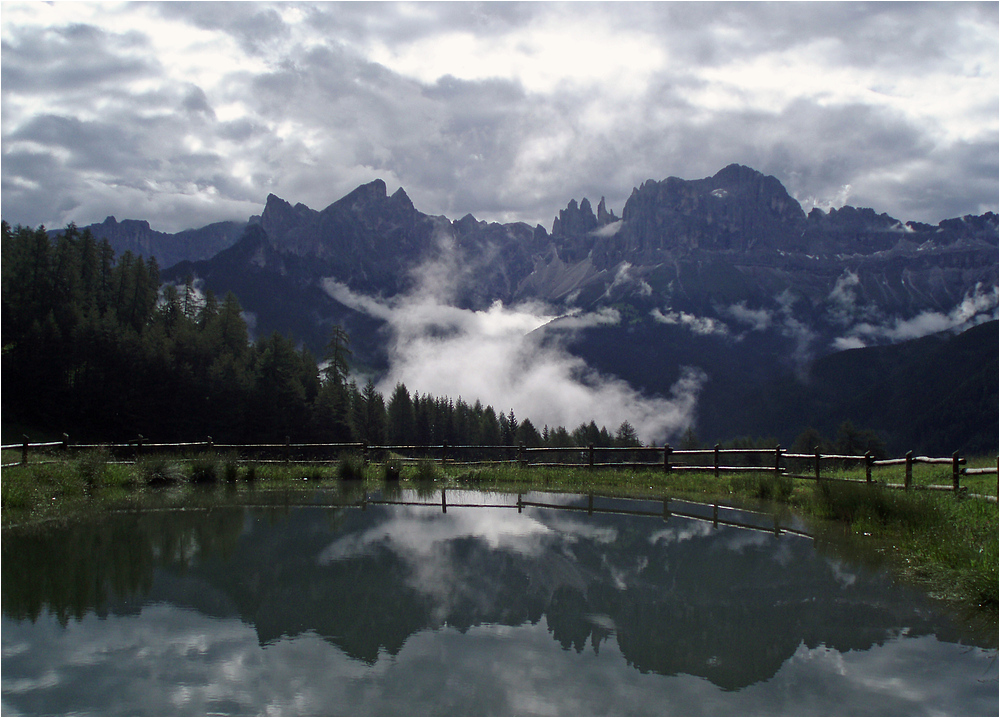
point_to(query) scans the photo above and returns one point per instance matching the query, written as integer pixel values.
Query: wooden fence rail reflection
(777, 461)
(671, 507)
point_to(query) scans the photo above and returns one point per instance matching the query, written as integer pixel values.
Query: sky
(189, 113)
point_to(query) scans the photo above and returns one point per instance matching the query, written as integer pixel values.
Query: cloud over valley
(499, 356)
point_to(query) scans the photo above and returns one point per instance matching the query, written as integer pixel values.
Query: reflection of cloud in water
(741, 540)
(685, 532)
(840, 572)
(572, 529)
(425, 541)
(419, 530)
(149, 661)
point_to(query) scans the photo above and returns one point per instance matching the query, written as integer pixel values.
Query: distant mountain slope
(936, 394)
(137, 237)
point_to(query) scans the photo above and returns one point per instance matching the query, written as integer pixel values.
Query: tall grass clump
(351, 468)
(853, 502)
(764, 486)
(205, 470)
(391, 470)
(426, 471)
(230, 468)
(91, 467)
(159, 470)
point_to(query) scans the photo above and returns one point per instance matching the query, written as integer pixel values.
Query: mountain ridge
(694, 269)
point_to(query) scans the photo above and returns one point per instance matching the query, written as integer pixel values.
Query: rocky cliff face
(724, 248)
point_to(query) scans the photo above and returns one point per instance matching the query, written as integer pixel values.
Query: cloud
(499, 110)
(699, 325)
(757, 319)
(625, 280)
(796, 330)
(496, 356)
(978, 306)
(608, 230)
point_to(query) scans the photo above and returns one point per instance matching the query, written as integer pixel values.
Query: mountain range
(726, 274)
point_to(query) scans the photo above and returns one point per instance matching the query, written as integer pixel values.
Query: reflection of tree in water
(73, 568)
(715, 604)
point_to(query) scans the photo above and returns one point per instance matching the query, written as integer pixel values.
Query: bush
(351, 468)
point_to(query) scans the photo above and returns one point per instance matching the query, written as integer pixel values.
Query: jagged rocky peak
(603, 215)
(401, 200)
(126, 224)
(467, 225)
(365, 196)
(575, 220)
(279, 215)
(849, 217)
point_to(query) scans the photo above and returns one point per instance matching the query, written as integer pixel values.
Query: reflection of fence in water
(710, 515)
(590, 509)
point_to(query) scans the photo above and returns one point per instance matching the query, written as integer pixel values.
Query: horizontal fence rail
(777, 461)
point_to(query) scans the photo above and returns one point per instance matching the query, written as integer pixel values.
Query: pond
(467, 603)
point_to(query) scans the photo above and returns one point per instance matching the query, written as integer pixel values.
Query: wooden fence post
(65, 444)
(364, 453)
(868, 466)
(908, 477)
(666, 458)
(24, 450)
(444, 503)
(717, 447)
(288, 449)
(521, 456)
(777, 461)
(817, 463)
(590, 456)
(590, 504)
(209, 444)
(138, 447)
(955, 471)
(666, 509)
(715, 516)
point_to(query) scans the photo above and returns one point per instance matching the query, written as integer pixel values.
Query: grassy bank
(945, 543)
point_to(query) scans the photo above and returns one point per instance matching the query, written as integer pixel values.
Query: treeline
(94, 346)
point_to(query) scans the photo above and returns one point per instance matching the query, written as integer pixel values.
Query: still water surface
(467, 609)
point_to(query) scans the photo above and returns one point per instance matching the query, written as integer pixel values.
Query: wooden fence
(777, 461)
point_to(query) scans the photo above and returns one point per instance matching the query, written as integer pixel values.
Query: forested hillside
(95, 347)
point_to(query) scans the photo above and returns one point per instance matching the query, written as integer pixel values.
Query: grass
(945, 543)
